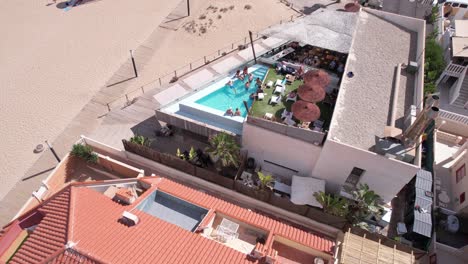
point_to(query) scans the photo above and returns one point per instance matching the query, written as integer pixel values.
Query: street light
(133, 62)
(251, 44)
(52, 150)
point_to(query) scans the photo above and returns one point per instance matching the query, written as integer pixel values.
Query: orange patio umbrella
(319, 77)
(311, 93)
(352, 7)
(305, 111)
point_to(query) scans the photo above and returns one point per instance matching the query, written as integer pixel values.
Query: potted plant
(140, 140)
(265, 186)
(224, 151)
(85, 152)
(367, 203)
(331, 204)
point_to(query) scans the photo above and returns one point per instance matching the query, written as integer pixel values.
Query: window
(462, 197)
(460, 173)
(354, 176)
(463, 6)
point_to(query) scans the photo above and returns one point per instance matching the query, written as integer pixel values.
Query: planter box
(286, 204)
(213, 177)
(320, 216)
(177, 163)
(252, 192)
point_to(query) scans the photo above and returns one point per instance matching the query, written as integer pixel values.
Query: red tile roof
(90, 219)
(69, 256)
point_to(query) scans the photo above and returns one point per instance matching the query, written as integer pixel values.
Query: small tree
(225, 148)
(367, 203)
(140, 140)
(265, 181)
(331, 204)
(85, 152)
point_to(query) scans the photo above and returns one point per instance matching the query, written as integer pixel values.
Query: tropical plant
(140, 140)
(367, 203)
(192, 154)
(265, 180)
(225, 148)
(434, 64)
(180, 154)
(85, 152)
(331, 204)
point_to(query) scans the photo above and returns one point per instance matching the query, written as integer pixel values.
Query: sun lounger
(275, 99)
(293, 99)
(286, 114)
(318, 123)
(280, 89)
(269, 84)
(260, 96)
(288, 121)
(268, 116)
(279, 82)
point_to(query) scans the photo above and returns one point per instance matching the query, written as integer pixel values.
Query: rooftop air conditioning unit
(412, 67)
(129, 219)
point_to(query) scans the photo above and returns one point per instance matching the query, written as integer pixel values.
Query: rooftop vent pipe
(129, 219)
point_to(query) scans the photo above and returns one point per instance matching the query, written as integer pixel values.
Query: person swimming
(245, 71)
(230, 83)
(229, 112)
(250, 77)
(238, 112)
(237, 74)
(247, 85)
(252, 95)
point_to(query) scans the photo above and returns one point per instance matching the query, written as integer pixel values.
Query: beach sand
(54, 61)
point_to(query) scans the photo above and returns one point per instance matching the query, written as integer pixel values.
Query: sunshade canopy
(311, 92)
(305, 111)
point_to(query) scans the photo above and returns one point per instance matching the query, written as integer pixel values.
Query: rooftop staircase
(463, 96)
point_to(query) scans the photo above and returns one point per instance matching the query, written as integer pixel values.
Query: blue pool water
(173, 210)
(234, 97)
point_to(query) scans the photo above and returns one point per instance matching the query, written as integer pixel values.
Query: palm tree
(367, 203)
(225, 148)
(332, 204)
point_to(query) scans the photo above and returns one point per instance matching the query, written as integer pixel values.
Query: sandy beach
(53, 61)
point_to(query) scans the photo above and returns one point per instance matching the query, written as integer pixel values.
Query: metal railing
(172, 76)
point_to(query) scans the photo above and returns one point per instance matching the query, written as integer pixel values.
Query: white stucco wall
(383, 175)
(461, 186)
(286, 151)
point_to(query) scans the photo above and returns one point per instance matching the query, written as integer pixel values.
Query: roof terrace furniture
(288, 121)
(280, 89)
(275, 99)
(269, 84)
(260, 96)
(290, 78)
(286, 114)
(318, 123)
(292, 99)
(268, 116)
(279, 82)
(227, 230)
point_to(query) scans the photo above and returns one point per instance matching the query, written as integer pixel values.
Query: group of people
(229, 112)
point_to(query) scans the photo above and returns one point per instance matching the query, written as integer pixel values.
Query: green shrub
(434, 64)
(140, 140)
(85, 152)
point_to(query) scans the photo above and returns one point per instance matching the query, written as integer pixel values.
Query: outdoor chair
(293, 99)
(280, 89)
(275, 99)
(260, 96)
(285, 114)
(269, 84)
(278, 82)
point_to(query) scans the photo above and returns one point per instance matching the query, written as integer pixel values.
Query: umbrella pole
(251, 44)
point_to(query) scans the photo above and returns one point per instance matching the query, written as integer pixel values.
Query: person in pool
(237, 74)
(237, 113)
(247, 85)
(229, 83)
(258, 82)
(245, 71)
(250, 77)
(252, 95)
(229, 112)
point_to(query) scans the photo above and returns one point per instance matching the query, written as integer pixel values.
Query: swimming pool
(233, 97)
(173, 210)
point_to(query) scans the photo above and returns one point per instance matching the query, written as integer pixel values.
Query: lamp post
(251, 44)
(133, 62)
(52, 150)
(188, 7)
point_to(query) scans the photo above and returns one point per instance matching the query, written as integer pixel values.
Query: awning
(303, 189)
(424, 180)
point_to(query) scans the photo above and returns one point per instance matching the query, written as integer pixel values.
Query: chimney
(432, 100)
(129, 219)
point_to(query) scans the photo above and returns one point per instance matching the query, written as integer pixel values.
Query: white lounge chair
(288, 121)
(280, 89)
(286, 114)
(318, 123)
(275, 99)
(269, 84)
(294, 99)
(279, 82)
(260, 96)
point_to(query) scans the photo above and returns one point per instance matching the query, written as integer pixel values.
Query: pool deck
(138, 118)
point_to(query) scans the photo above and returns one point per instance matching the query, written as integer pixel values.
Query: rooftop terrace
(364, 104)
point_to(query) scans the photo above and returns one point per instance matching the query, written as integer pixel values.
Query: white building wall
(286, 151)
(383, 175)
(461, 186)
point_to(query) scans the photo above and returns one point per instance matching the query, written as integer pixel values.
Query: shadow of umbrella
(62, 5)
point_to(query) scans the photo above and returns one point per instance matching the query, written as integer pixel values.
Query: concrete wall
(452, 127)
(284, 150)
(461, 186)
(383, 175)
